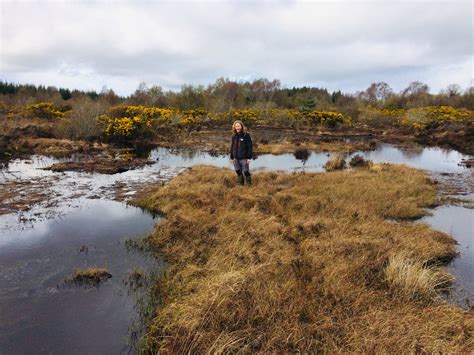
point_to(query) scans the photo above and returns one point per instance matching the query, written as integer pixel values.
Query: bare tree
(453, 90)
(376, 92)
(416, 88)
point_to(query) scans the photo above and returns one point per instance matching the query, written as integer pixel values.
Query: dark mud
(101, 165)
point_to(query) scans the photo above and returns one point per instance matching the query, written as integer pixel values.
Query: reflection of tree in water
(140, 151)
(190, 154)
(302, 154)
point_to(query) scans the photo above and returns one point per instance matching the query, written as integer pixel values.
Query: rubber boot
(249, 179)
(241, 180)
(239, 176)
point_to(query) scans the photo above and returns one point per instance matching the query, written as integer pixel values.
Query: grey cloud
(338, 44)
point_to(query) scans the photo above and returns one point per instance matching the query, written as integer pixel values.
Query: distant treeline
(225, 95)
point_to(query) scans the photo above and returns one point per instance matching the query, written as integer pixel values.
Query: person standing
(241, 152)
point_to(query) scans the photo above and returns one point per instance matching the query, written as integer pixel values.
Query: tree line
(224, 95)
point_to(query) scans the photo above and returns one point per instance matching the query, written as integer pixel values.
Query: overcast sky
(342, 45)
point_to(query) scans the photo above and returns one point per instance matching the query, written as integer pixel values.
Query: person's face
(238, 127)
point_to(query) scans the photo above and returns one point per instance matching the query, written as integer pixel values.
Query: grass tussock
(413, 279)
(302, 154)
(303, 262)
(337, 162)
(92, 276)
(358, 161)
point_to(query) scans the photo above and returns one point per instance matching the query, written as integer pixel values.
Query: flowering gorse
(44, 110)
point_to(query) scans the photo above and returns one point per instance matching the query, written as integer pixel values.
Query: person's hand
(248, 161)
(232, 161)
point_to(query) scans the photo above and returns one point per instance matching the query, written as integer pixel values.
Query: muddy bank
(14, 148)
(468, 163)
(100, 165)
(458, 137)
(20, 196)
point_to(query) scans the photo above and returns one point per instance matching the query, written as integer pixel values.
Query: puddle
(40, 246)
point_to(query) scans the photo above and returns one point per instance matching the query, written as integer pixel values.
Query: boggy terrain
(62, 130)
(278, 140)
(306, 262)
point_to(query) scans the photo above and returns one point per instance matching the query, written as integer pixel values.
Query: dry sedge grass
(302, 262)
(337, 162)
(413, 279)
(91, 276)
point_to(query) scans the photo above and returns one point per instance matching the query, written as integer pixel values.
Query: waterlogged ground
(47, 218)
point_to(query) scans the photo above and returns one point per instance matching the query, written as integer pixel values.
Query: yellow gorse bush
(247, 115)
(129, 121)
(44, 110)
(126, 122)
(421, 117)
(418, 117)
(328, 118)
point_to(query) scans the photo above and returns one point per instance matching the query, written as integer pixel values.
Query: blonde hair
(244, 129)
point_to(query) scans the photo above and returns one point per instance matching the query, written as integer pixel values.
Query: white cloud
(337, 44)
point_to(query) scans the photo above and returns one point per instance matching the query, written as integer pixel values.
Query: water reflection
(459, 223)
(39, 314)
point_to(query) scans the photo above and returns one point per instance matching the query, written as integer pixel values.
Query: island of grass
(302, 262)
(91, 276)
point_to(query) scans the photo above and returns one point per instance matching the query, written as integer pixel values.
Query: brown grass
(91, 276)
(358, 161)
(413, 279)
(337, 162)
(301, 263)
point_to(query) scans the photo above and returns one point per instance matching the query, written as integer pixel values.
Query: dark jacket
(241, 147)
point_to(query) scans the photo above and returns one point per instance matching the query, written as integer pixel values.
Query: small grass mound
(358, 161)
(337, 162)
(302, 154)
(92, 276)
(415, 279)
(302, 262)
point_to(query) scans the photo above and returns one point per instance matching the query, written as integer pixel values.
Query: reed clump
(302, 262)
(91, 276)
(413, 279)
(337, 162)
